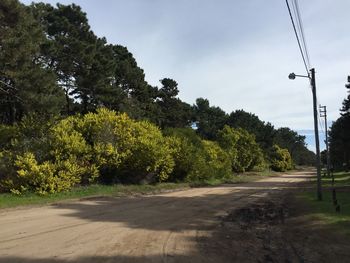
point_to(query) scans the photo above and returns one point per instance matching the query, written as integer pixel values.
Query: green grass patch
(11, 200)
(340, 179)
(236, 178)
(325, 210)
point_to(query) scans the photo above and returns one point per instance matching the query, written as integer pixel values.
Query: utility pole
(317, 140)
(311, 77)
(323, 114)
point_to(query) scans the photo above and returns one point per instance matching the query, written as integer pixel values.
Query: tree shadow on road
(172, 211)
(231, 238)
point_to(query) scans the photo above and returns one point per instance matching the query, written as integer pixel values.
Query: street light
(293, 75)
(317, 140)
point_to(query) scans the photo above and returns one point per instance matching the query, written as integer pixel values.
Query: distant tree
(209, 119)
(26, 85)
(132, 94)
(264, 132)
(280, 159)
(339, 143)
(295, 144)
(339, 136)
(173, 112)
(346, 103)
(324, 158)
(242, 148)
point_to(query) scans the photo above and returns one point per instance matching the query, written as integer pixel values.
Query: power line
(301, 30)
(297, 37)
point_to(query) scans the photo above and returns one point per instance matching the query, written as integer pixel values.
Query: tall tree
(339, 143)
(209, 119)
(295, 144)
(339, 135)
(346, 103)
(25, 82)
(264, 132)
(173, 112)
(132, 93)
(81, 61)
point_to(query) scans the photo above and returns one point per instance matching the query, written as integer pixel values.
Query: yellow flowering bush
(211, 162)
(244, 152)
(280, 159)
(150, 154)
(46, 177)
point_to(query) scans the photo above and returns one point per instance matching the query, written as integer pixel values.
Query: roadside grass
(340, 179)
(324, 211)
(8, 200)
(236, 179)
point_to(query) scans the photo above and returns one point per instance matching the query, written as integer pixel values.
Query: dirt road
(171, 227)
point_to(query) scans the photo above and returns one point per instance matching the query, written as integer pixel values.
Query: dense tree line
(339, 136)
(63, 95)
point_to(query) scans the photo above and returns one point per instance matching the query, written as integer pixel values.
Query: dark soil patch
(276, 229)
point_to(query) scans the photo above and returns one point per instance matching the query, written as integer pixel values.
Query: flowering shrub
(280, 159)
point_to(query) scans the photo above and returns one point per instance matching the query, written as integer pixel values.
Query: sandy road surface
(159, 228)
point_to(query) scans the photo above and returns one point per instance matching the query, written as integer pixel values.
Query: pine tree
(80, 60)
(26, 85)
(173, 112)
(346, 103)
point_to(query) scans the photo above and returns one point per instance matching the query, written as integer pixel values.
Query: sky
(237, 54)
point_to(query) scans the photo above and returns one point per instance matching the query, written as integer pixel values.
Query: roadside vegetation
(76, 111)
(339, 137)
(9, 200)
(110, 148)
(29, 198)
(325, 211)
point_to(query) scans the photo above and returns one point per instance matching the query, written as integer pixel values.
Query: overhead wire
(300, 36)
(297, 37)
(300, 28)
(302, 33)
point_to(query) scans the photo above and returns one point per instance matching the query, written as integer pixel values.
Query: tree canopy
(339, 135)
(69, 100)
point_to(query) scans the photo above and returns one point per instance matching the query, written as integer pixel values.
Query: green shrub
(150, 154)
(68, 144)
(212, 162)
(28, 136)
(280, 159)
(46, 177)
(7, 134)
(109, 138)
(244, 152)
(124, 149)
(7, 171)
(196, 159)
(186, 149)
(53, 156)
(31, 135)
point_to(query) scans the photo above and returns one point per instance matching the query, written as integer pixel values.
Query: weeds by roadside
(325, 210)
(11, 200)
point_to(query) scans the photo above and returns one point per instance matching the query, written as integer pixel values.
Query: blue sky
(237, 54)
